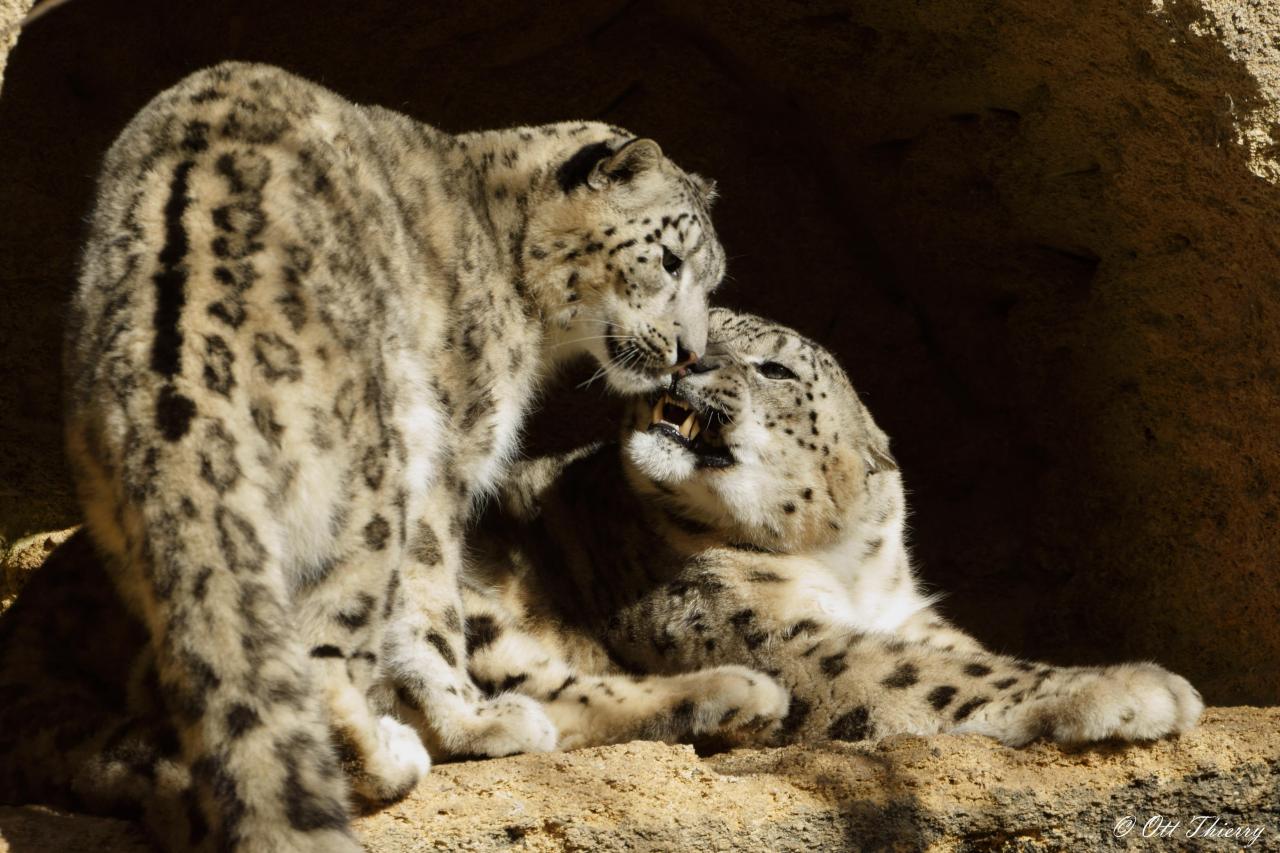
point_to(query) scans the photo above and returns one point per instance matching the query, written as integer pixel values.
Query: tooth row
(686, 428)
(691, 428)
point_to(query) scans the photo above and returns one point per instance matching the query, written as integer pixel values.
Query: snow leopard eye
(773, 370)
(671, 262)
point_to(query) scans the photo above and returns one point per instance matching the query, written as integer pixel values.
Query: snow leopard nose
(690, 327)
(702, 365)
(705, 365)
(685, 357)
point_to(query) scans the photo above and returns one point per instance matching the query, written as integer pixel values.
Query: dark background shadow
(1029, 234)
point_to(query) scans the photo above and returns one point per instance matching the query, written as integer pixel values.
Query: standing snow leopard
(304, 340)
(737, 568)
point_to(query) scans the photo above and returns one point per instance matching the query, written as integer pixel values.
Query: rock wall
(1040, 235)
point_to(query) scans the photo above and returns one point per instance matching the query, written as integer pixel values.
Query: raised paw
(389, 771)
(510, 724)
(726, 698)
(1135, 701)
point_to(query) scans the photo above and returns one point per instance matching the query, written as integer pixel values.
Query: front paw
(511, 724)
(393, 769)
(1135, 701)
(735, 697)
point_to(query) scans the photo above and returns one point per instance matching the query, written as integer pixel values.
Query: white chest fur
(868, 581)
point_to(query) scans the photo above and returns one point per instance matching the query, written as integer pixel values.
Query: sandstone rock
(20, 558)
(948, 793)
(11, 15)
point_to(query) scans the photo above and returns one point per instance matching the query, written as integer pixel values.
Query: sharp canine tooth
(693, 432)
(657, 411)
(687, 426)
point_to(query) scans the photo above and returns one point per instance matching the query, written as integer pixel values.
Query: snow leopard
(304, 338)
(736, 570)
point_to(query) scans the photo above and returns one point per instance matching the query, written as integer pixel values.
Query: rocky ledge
(1216, 788)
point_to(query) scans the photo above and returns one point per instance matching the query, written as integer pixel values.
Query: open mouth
(697, 430)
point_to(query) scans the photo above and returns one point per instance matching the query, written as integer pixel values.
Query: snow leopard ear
(706, 187)
(875, 454)
(638, 155)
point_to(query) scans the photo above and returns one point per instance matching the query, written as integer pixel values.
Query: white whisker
(594, 338)
(599, 372)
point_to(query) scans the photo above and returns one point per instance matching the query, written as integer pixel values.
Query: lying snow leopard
(304, 340)
(737, 569)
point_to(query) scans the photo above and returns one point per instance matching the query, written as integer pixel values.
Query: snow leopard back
(304, 341)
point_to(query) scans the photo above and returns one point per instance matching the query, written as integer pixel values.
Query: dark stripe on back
(174, 412)
(171, 278)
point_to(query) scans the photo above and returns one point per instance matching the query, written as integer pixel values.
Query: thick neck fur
(862, 547)
(572, 523)
(831, 511)
(590, 516)
(515, 170)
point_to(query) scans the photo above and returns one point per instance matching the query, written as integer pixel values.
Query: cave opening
(1039, 240)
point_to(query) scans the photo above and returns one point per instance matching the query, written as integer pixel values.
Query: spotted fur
(304, 339)
(617, 584)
